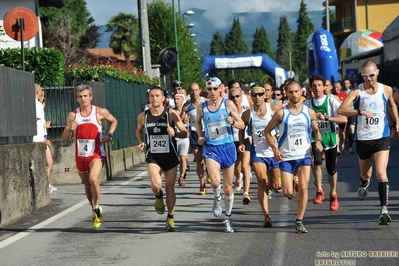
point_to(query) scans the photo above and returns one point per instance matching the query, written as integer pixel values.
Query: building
(34, 5)
(358, 15)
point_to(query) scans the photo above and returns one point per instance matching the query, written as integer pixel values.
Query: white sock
(216, 191)
(228, 202)
(95, 207)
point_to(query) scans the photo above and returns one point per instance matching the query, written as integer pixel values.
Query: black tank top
(158, 140)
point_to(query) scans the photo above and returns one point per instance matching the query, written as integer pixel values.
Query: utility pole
(327, 15)
(144, 37)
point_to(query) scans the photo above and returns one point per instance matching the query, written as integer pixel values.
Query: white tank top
(236, 130)
(295, 134)
(257, 126)
(376, 127)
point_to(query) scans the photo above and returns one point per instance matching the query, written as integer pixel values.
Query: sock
(298, 221)
(216, 192)
(170, 216)
(383, 192)
(160, 196)
(351, 138)
(228, 202)
(95, 207)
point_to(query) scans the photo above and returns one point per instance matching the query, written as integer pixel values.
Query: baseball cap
(213, 82)
(176, 84)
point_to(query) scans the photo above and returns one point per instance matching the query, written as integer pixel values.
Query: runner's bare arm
(236, 120)
(70, 126)
(139, 130)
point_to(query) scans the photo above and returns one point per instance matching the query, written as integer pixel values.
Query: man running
(325, 108)
(371, 101)
(219, 115)
(256, 118)
(295, 122)
(161, 155)
(85, 123)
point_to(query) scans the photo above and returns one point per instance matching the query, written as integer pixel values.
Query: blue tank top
(217, 130)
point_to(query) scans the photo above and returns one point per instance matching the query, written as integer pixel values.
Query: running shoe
(159, 206)
(202, 190)
(217, 206)
(181, 182)
(385, 219)
(170, 225)
(300, 228)
(362, 191)
(334, 205)
(97, 217)
(267, 222)
(188, 167)
(52, 188)
(350, 151)
(238, 184)
(279, 189)
(228, 222)
(319, 197)
(208, 179)
(269, 193)
(246, 200)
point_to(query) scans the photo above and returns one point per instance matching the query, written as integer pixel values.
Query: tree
(284, 44)
(260, 45)
(217, 48)
(123, 41)
(70, 29)
(161, 31)
(236, 45)
(305, 28)
(331, 18)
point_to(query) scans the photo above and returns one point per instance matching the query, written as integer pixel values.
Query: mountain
(205, 29)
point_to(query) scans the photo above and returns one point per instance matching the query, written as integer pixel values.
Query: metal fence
(17, 105)
(125, 101)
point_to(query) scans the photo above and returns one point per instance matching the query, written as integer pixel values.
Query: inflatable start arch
(245, 61)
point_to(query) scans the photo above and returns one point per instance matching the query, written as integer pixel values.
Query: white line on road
(34, 228)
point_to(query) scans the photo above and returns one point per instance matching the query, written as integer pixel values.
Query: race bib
(297, 141)
(159, 144)
(372, 124)
(86, 147)
(217, 130)
(324, 126)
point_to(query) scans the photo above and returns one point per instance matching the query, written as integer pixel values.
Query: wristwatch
(326, 118)
(110, 136)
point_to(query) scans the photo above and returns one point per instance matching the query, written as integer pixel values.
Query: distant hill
(204, 28)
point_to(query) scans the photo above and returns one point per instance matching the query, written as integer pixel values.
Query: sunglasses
(275, 94)
(234, 96)
(214, 88)
(369, 75)
(254, 94)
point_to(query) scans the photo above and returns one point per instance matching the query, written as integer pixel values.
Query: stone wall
(15, 190)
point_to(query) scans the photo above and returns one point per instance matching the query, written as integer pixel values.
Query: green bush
(45, 63)
(94, 71)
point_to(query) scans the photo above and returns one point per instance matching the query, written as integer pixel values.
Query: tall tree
(284, 44)
(305, 28)
(160, 23)
(217, 48)
(236, 45)
(70, 29)
(260, 45)
(125, 32)
(331, 18)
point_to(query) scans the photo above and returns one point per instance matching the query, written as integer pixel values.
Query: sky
(103, 10)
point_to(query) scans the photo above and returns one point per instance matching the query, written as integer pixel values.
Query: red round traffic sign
(12, 28)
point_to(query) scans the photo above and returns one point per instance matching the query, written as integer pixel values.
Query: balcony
(342, 27)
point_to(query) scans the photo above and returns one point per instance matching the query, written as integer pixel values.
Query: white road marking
(50, 220)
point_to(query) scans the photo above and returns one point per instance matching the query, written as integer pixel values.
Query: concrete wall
(15, 190)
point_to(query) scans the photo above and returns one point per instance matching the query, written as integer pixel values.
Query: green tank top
(327, 129)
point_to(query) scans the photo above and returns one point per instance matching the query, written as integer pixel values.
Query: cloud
(218, 11)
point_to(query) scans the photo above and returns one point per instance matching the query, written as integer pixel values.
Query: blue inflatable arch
(322, 57)
(262, 61)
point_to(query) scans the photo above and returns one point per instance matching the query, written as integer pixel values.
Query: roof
(54, 3)
(107, 53)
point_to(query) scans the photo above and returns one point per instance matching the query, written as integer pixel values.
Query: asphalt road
(133, 233)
